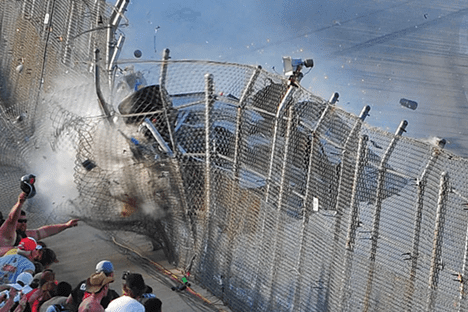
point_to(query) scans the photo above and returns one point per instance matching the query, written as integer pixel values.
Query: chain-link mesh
(273, 199)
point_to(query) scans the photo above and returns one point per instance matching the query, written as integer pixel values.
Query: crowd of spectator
(28, 283)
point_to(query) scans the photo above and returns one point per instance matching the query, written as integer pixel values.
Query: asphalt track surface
(371, 52)
(79, 249)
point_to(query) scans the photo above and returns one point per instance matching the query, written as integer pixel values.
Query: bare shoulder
(90, 306)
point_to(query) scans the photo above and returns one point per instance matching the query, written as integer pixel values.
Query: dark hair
(63, 289)
(48, 256)
(42, 244)
(38, 267)
(153, 305)
(135, 283)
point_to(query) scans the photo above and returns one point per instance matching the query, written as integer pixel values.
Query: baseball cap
(22, 282)
(27, 244)
(105, 266)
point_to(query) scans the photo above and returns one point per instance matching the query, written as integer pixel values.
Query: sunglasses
(22, 221)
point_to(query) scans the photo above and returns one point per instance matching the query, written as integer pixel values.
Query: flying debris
(409, 104)
(137, 53)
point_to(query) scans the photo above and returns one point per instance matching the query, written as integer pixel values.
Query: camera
(292, 67)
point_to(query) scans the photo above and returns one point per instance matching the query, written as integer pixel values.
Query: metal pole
(102, 103)
(203, 238)
(70, 28)
(167, 103)
(378, 209)
(234, 208)
(279, 111)
(353, 224)
(344, 188)
(240, 109)
(464, 277)
(310, 185)
(209, 102)
(303, 235)
(436, 264)
(114, 20)
(276, 246)
(282, 104)
(422, 182)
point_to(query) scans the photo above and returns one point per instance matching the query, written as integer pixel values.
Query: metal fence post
(114, 20)
(203, 238)
(234, 208)
(279, 112)
(378, 210)
(436, 264)
(344, 189)
(303, 235)
(421, 188)
(464, 277)
(276, 245)
(167, 104)
(309, 184)
(353, 223)
(240, 110)
(209, 102)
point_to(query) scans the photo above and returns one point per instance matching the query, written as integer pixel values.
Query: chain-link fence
(271, 197)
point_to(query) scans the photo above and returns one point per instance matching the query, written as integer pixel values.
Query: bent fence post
(421, 188)
(303, 236)
(378, 210)
(345, 186)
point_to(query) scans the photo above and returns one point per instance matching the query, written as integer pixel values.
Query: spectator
(133, 287)
(17, 290)
(40, 233)
(33, 300)
(79, 292)
(45, 256)
(97, 286)
(57, 302)
(148, 294)
(39, 268)
(153, 305)
(8, 302)
(13, 265)
(7, 229)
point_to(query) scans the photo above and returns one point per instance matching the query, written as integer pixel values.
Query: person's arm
(22, 303)
(49, 230)
(8, 228)
(9, 303)
(69, 299)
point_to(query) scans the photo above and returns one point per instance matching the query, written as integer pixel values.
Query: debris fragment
(409, 104)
